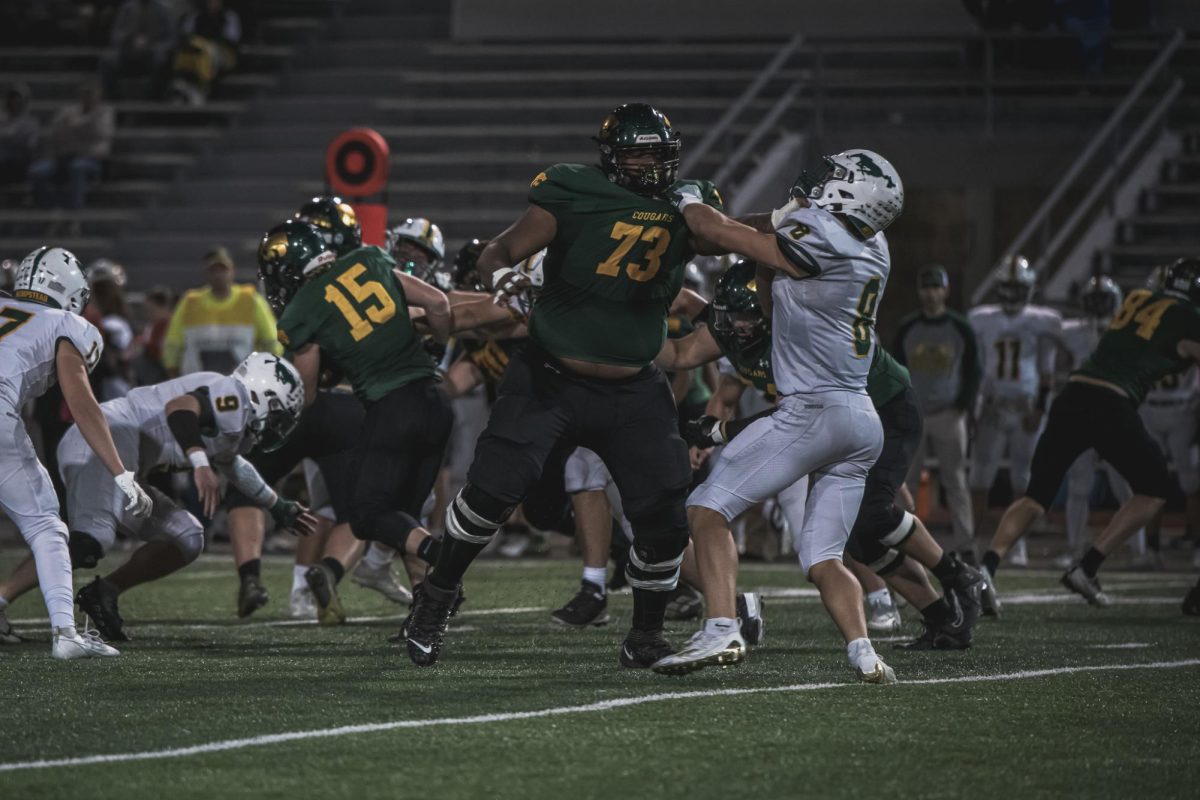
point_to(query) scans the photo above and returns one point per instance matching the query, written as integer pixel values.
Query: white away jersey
(1017, 348)
(144, 409)
(823, 327)
(1079, 339)
(29, 336)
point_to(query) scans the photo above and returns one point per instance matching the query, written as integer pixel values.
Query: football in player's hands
(683, 195)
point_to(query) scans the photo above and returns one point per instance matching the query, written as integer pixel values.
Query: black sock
(1091, 562)
(938, 611)
(649, 609)
(991, 562)
(335, 567)
(251, 567)
(452, 562)
(428, 550)
(948, 568)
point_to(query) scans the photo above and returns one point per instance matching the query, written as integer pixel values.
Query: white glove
(779, 214)
(139, 504)
(684, 194)
(508, 283)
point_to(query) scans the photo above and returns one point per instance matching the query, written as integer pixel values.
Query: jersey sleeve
(804, 241)
(552, 190)
(230, 405)
(294, 329)
(85, 338)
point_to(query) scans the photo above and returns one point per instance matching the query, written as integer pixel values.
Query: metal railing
(1109, 144)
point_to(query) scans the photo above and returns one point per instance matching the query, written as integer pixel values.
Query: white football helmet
(52, 276)
(422, 233)
(1101, 297)
(276, 397)
(106, 269)
(860, 185)
(1015, 280)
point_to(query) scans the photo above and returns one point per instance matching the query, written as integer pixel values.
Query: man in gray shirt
(939, 349)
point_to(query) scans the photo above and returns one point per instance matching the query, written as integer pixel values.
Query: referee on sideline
(939, 349)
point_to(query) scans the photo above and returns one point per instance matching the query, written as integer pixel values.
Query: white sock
(862, 654)
(596, 575)
(298, 581)
(53, 560)
(720, 625)
(881, 596)
(378, 556)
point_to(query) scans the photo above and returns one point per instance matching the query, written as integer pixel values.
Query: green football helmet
(737, 320)
(288, 255)
(1182, 279)
(635, 130)
(337, 221)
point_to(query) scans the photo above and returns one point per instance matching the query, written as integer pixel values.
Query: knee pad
(86, 550)
(474, 516)
(659, 539)
(190, 543)
(886, 524)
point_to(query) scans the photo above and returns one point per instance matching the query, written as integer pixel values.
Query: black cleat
(939, 637)
(425, 628)
(750, 615)
(685, 603)
(641, 649)
(252, 596)
(588, 607)
(1191, 603)
(989, 601)
(967, 589)
(98, 600)
(323, 586)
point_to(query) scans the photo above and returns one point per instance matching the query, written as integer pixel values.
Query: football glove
(139, 504)
(703, 432)
(682, 195)
(285, 512)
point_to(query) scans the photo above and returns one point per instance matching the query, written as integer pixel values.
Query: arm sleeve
(173, 343)
(242, 474)
(266, 336)
(972, 366)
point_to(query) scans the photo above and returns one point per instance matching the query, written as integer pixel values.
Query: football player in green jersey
(1156, 333)
(354, 308)
(615, 260)
(882, 535)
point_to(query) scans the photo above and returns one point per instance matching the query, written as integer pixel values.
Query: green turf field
(1056, 699)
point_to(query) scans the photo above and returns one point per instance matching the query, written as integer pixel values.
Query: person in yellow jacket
(215, 327)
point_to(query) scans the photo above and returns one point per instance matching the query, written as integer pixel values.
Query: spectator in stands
(18, 134)
(939, 349)
(73, 150)
(143, 36)
(148, 366)
(214, 328)
(211, 35)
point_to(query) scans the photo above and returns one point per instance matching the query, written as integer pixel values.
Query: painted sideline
(510, 716)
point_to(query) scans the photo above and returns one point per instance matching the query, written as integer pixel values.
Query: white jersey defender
(825, 426)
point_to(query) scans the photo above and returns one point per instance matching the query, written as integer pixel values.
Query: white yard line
(511, 716)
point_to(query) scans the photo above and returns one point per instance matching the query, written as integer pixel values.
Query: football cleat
(98, 600)
(704, 649)
(301, 604)
(425, 628)
(324, 591)
(989, 600)
(252, 596)
(589, 607)
(940, 637)
(1077, 581)
(7, 634)
(643, 649)
(882, 615)
(966, 589)
(70, 644)
(750, 615)
(882, 674)
(685, 603)
(381, 580)
(1191, 603)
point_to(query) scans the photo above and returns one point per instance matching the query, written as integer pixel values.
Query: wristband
(199, 459)
(717, 434)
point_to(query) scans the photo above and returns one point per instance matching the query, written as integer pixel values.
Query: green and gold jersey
(614, 266)
(887, 377)
(356, 312)
(1140, 346)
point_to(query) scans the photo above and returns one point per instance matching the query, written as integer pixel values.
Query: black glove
(703, 432)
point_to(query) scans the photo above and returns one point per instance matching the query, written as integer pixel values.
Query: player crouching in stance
(43, 339)
(829, 244)
(203, 421)
(1155, 334)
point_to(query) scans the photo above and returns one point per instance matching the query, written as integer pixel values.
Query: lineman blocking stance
(828, 242)
(1153, 335)
(43, 340)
